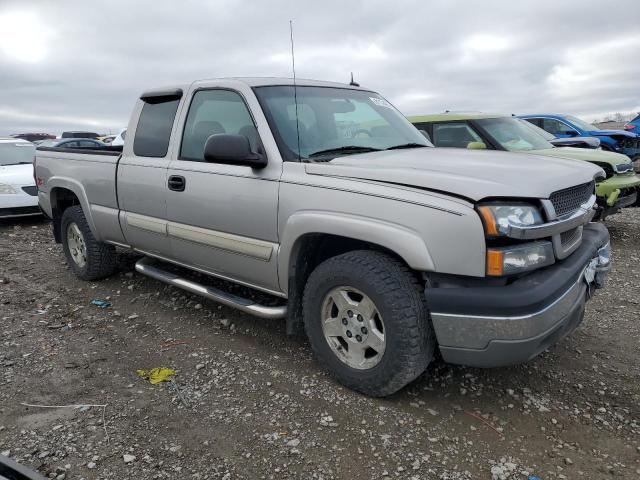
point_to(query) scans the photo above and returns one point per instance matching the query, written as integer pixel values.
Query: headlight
(623, 167)
(519, 258)
(498, 218)
(6, 189)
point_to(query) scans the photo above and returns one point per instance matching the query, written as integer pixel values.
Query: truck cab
(325, 198)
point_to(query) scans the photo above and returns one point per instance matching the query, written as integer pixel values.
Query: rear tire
(347, 288)
(88, 258)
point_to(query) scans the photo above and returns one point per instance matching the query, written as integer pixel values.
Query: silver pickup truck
(382, 248)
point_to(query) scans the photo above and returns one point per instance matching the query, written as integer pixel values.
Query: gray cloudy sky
(82, 63)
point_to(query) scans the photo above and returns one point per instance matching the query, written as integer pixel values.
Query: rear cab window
(153, 132)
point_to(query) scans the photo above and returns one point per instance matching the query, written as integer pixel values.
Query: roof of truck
(252, 82)
(436, 117)
(306, 82)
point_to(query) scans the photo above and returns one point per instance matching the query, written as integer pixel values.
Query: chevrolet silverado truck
(324, 197)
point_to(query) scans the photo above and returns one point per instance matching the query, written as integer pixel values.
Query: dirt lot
(253, 404)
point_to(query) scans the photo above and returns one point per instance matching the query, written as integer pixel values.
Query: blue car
(564, 126)
(634, 125)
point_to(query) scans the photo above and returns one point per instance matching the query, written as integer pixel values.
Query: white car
(18, 192)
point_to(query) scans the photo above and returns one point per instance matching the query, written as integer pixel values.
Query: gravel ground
(251, 403)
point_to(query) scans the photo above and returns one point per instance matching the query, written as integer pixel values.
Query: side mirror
(571, 133)
(232, 150)
(476, 146)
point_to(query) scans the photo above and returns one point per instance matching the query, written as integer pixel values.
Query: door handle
(176, 183)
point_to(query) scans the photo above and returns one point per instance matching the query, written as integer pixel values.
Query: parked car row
(618, 189)
(621, 141)
(328, 201)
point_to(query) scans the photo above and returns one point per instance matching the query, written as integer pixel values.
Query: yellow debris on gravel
(156, 375)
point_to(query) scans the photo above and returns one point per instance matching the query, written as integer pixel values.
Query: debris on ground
(100, 303)
(156, 375)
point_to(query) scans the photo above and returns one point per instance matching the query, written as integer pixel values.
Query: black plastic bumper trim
(526, 295)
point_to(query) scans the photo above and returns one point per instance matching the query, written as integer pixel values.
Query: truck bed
(91, 175)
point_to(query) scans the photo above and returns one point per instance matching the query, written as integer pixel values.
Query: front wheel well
(61, 199)
(309, 251)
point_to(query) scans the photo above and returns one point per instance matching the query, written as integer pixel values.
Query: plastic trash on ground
(156, 375)
(100, 303)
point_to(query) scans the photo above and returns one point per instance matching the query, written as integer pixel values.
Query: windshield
(48, 143)
(333, 122)
(513, 135)
(16, 153)
(581, 124)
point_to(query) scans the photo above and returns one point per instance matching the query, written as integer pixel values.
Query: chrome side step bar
(145, 267)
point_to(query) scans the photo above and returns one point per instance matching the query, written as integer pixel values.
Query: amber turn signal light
(495, 262)
(489, 221)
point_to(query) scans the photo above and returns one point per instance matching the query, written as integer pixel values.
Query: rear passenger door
(223, 218)
(142, 174)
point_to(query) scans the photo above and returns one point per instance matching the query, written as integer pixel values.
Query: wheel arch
(312, 237)
(63, 194)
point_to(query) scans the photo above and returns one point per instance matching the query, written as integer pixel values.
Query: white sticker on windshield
(381, 102)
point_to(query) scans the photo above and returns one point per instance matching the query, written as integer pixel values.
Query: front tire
(88, 258)
(367, 322)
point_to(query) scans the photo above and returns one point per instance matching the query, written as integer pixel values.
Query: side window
(556, 127)
(212, 112)
(456, 135)
(87, 144)
(154, 128)
(536, 121)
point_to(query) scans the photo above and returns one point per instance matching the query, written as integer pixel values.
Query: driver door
(223, 218)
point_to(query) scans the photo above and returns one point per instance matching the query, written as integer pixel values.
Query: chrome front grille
(568, 200)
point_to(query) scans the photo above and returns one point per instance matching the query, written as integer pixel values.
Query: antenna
(295, 87)
(352, 83)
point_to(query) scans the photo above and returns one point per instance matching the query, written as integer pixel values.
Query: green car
(503, 132)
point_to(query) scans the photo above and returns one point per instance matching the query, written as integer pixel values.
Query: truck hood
(473, 174)
(613, 133)
(587, 155)
(21, 174)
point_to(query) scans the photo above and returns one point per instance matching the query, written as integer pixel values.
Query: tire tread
(101, 258)
(403, 293)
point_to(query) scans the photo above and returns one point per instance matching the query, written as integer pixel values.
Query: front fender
(397, 238)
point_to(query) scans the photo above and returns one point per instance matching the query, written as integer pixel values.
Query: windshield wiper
(345, 149)
(407, 145)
